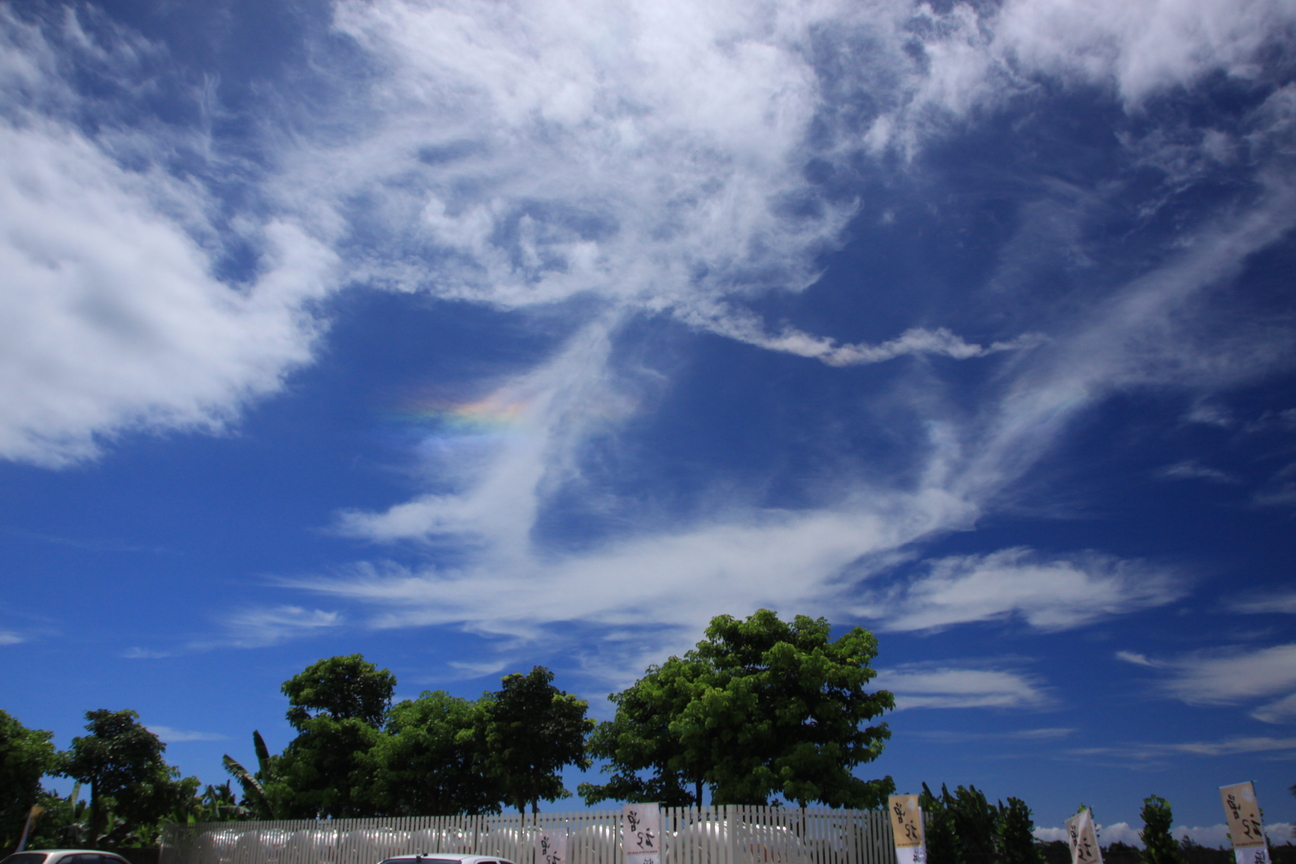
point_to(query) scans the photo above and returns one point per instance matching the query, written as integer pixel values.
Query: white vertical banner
(907, 827)
(1245, 827)
(551, 847)
(1083, 838)
(641, 833)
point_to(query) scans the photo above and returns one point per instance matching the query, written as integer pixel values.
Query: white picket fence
(691, 835)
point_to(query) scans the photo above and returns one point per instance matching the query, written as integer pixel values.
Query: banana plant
(254, 794)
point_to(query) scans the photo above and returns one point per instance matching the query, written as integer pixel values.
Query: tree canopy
(355, 756)
(341, 688)
(965, 828)
(533, 730)
(26, 755)
(759, 708)
(327, 770)
(432, 761)
(122, 762)
(1159, 845)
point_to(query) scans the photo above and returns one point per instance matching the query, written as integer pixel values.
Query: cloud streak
(927, 686)
(1230, 677)
(1048, 594)
(112, 318)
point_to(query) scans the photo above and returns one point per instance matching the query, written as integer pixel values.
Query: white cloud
(137, 653)
(1217, 835)
(1138, 659)
(1190, 470)
(110, 318)
(1164, 753)
(1234, 746)
(8, 637)
(977, 59)
(1277, 600)
(523, 154)
(1235, 676)
(1119, 832)
(178, 736)
(651, 155)
(926, 686)
(666, 578)
(257, 628)
(1048, 593)
(1281, 711)
(1139, 48)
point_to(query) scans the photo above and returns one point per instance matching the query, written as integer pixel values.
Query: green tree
(942, 842)
(1017, 834)
(639, 739)
(432, 760)
(1159, 846)
(121, 761)
(342, 688)
(965, 828)
(26, 755)
(254, 785)
(327, 770)
(758, 708)
(533, 730)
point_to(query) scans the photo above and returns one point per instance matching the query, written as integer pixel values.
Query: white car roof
(66, 852)
(448, 856)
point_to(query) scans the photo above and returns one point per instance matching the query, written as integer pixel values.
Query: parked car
(431, 858)
(64, 856)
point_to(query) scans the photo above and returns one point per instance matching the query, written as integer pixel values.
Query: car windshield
(422, 859)
(25, 858)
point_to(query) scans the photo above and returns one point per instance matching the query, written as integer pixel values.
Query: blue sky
(475, 336)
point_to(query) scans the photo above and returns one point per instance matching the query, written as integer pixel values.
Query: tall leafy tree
(639, 741)
(122, 763)
(341, 688)
(759, 708)
(26, 755)
(337, 705)
(532, 731)
(942, 842)
(965, 828)
(1017, 834)
(1159, 845)
(432, 760)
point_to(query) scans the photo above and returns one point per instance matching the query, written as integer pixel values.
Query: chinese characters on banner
(907, 826)
(641, 833)
(1243, 815)
(1083, 839)
(551, 847)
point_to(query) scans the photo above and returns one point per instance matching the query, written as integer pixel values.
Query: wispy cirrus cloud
(1048, 593)
(180, 736)
(1274, 600)
(113, 319)
(933, 686)
(1232, 676)
(653, 159)
(1223, 747)
(257, 628)
(1191, 470)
